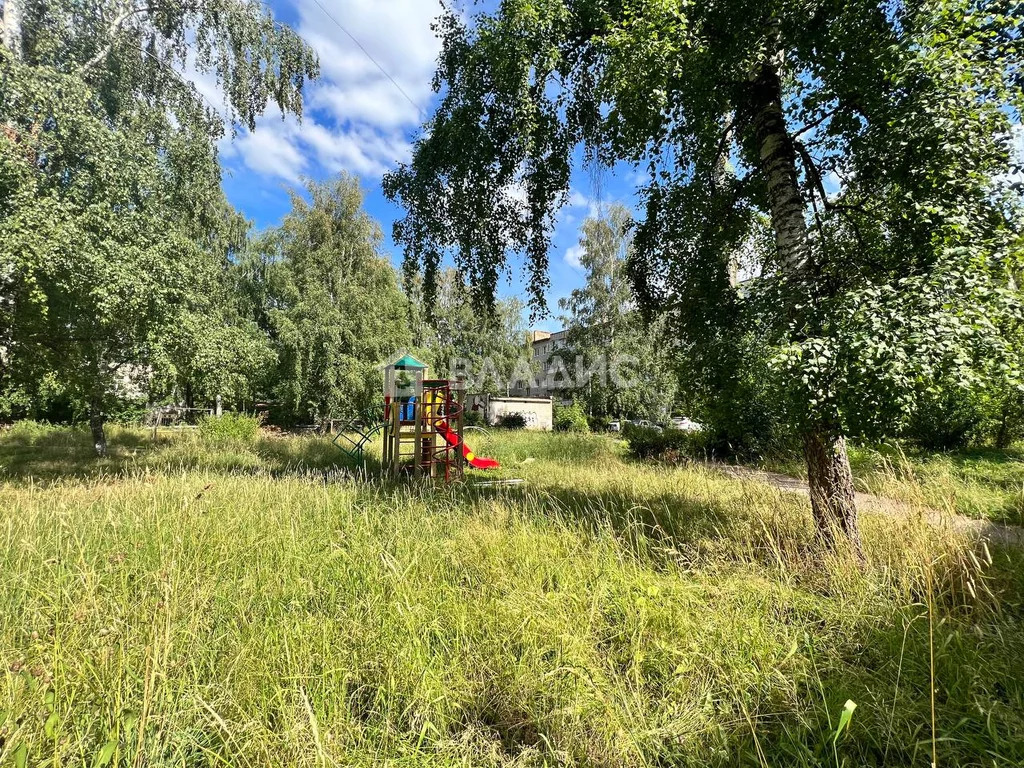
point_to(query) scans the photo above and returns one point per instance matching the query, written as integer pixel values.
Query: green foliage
(866, 294)
(212, 351)
(328, 300)
(474, 418)
(229, 427)
(131, 56)
(96, 275)
(403, 380)
(511, 421)
(486, 349)
(571, 418)
(671, 445)
(43, 400)
(15, 402)
(728, 386)
(114, 230)
(947, 419)
(128, 412)
(28, 432)
(956, 410)
(607, 333)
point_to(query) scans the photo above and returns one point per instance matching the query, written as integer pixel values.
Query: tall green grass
(189, 604)
(983, 483)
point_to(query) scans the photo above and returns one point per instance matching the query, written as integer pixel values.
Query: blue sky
(357, 120)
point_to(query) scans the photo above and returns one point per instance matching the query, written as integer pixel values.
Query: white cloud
(833, 185)
(517, 194)
(579, 200)
(270, 150)
(573, 256)
(355, 118)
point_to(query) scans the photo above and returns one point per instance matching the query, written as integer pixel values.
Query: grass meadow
(192, 602)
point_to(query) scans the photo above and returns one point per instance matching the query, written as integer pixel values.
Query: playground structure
(422, 426)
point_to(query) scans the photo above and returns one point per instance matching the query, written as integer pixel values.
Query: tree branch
(815, 123)
(112, 30)
(723, 144)
(815, 175)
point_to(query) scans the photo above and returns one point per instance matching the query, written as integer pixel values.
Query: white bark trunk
(12, 26)
(833, 501)
(778, 163)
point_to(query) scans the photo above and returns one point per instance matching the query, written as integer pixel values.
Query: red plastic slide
(480, 462)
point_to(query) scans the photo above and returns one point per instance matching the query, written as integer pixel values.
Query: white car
(684, 424)
(645, 424)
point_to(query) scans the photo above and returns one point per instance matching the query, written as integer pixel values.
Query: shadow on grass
(862, 641)
(67, 453)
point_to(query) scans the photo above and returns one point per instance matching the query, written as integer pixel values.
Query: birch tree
(620, 365)
(330, 303)
(871, 135)
(113, 225)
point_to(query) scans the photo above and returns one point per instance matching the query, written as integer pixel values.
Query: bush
(598, 423)
(511, 421)
(129, 413)
(664, 445)
(229, 428)
(571, 418)
(473, 418)
(29, 432)
(735, 393)
(949, 420)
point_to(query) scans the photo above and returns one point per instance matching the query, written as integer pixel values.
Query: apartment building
(544, 345)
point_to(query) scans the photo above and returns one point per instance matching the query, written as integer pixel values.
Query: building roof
(407, 362)
(539, 337)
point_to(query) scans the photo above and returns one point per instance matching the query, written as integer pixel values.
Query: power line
(376, 63)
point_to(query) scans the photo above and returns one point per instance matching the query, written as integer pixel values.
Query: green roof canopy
(405, 362)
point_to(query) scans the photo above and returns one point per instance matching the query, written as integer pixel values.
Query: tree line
(126, 275)
(295, 321)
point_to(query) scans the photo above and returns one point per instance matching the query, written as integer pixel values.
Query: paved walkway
(982, 529)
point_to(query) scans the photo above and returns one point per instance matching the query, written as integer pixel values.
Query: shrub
(571, 418)
(473, 418)
(29, 432)
(735, 394)
(512, 421)
(664, 445)
(229, 428)
(946, 421)
(130, 413)
(598, 423)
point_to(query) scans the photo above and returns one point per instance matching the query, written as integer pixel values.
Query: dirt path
(983, 529)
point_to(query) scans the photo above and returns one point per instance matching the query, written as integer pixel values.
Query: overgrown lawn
(977, 482)
(263, 603)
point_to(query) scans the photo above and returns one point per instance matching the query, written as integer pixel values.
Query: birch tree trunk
(97, 404)
(12, 26)
(833, 504)
(778, 164)
(97, 419)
